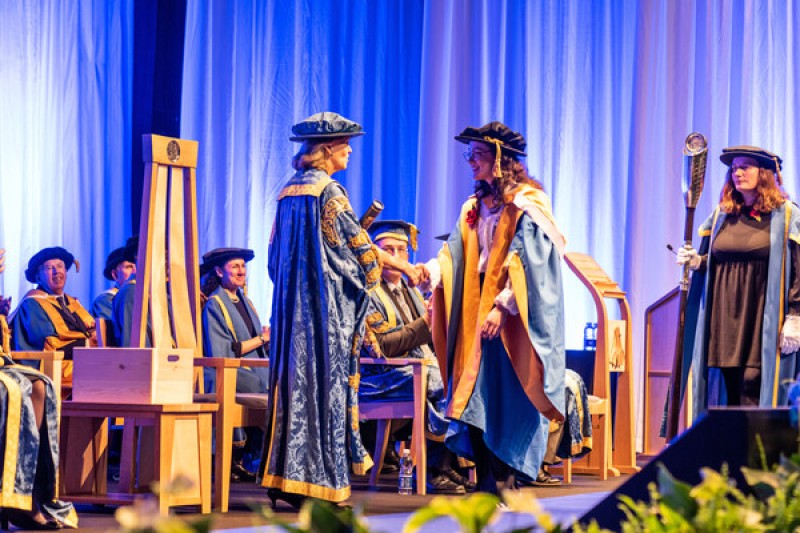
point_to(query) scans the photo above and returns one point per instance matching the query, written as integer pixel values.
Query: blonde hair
(768, 195)
(311, 155)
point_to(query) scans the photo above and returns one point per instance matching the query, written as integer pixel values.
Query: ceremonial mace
(695, 153)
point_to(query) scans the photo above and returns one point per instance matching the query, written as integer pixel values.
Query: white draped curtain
(65, 114)
(605, 93)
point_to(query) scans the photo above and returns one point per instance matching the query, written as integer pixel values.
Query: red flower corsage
(755, 214)
(472, 215)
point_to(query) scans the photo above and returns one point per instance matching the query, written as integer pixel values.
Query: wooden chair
(385, 411)
(235, 410)
(613, 452)
(50, 364)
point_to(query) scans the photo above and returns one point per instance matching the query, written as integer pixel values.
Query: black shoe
(240, 473)
(391, 462)
(441, 484)
(26, 520)
(457, 478)
(295, 500)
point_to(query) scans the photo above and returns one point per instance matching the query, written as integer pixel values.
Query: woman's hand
(493, 324)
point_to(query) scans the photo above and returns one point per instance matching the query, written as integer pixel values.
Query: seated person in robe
(118, 270)
(47, 319)
(29, 438)
(232, 328)
(122, 303)
(398, 325)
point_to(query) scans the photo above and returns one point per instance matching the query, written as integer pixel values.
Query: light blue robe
(509, 396)
(102, 306)
(218, 339)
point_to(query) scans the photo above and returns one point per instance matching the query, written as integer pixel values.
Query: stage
(384, 509)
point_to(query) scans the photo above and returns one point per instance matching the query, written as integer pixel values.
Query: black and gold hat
(396, 229)
(496, 134)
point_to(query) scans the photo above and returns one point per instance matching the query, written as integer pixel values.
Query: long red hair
(768, 195)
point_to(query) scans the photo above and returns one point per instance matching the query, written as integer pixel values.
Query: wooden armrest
(38, 356)
(229, 362)
(394, 361)
(217, 362)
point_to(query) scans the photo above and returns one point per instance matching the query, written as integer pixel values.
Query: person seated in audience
(122, 304)
(29, 436)
(232, 328)
(47, 318)
(399, 323)
(118, 270)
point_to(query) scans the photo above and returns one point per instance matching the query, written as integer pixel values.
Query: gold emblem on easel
(173, 151)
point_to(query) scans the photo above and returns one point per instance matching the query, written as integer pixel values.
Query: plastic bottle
(590, 336)
(406, 473)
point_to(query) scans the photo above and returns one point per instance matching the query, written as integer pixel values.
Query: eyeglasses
(472, 155)
(395, 250)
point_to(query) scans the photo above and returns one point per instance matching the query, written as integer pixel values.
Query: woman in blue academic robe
(322, 264)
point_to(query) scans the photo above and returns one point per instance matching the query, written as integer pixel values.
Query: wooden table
(169, 440)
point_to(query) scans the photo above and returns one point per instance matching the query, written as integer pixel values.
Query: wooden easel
(601, 287)
(168, 219)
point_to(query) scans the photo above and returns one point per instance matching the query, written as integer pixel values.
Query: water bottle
(406, 473)
(589, 333)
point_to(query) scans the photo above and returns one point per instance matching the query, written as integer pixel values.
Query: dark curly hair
(514, 174)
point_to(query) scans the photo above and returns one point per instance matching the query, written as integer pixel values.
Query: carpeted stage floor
(385, 510)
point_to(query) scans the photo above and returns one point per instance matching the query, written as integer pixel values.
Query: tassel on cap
(778, 170)
(497, 172)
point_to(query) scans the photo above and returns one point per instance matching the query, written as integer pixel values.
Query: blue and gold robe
(102, 306)
(390, 382)
(776, 368)
(322, 264)
(222, 326)
(510, 387)
(122, 317)
(30, 455)
(38, 325)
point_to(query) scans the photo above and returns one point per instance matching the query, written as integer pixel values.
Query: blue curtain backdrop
(65, 113)
(605, 93)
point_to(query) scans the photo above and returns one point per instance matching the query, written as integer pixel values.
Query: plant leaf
(676, 494)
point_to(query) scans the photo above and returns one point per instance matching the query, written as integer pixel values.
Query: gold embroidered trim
(306, 489)
(312, 189)
(353, 381)
(374, 318)
(354, 417)
(367, 257)
(373, 276)
(332, 209)
(362, 239)
(371, 344)
(356, 344)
